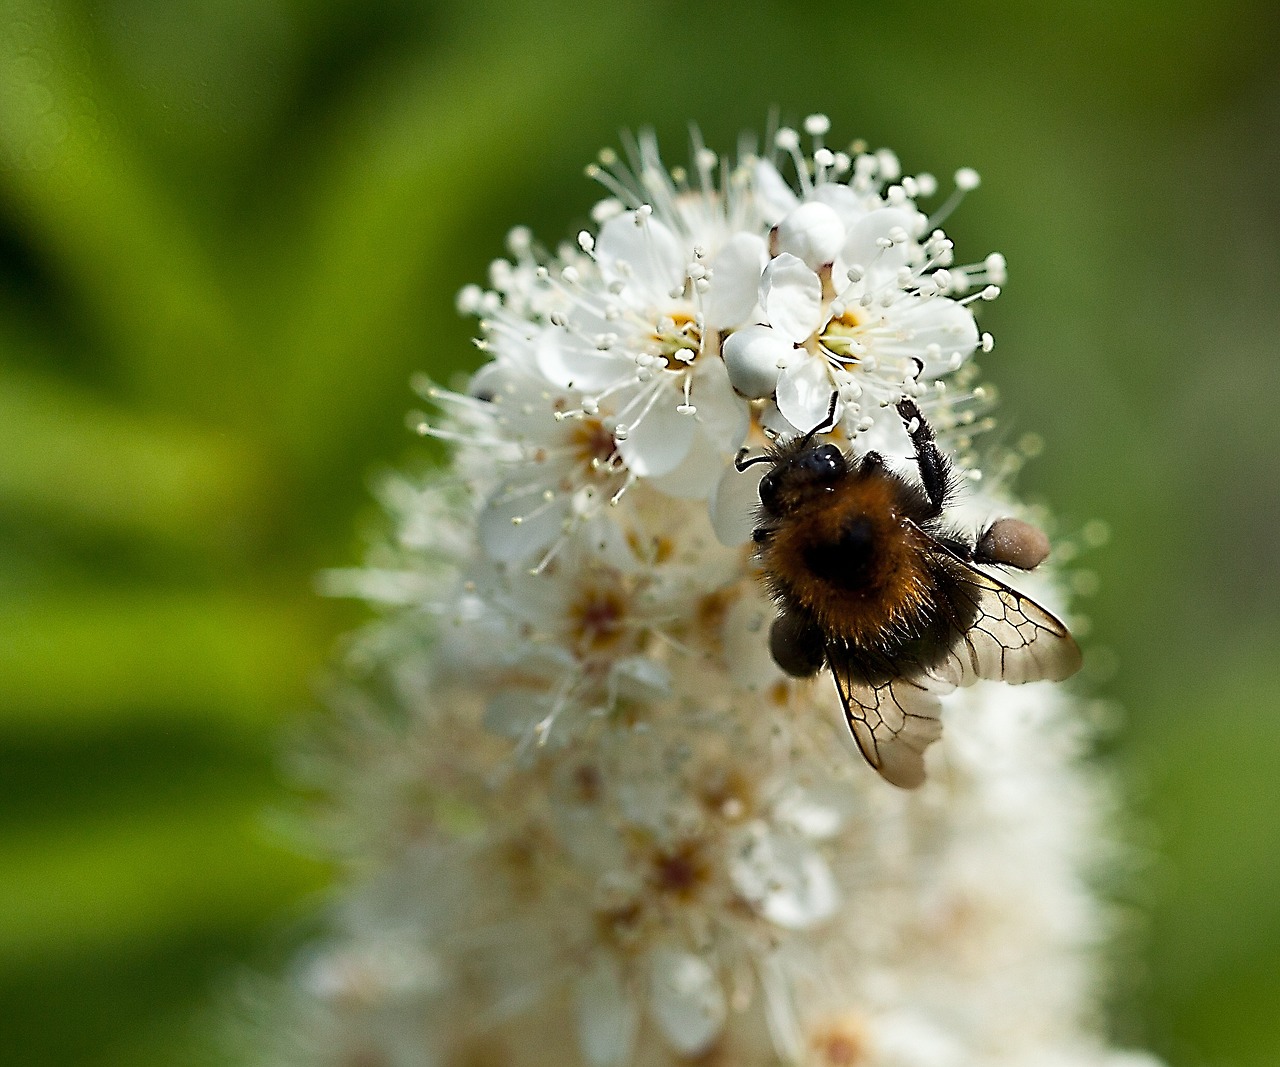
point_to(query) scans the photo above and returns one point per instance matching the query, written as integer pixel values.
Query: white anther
(787, 139)
(519, 239)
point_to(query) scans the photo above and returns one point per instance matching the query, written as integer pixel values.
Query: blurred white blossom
(586, 818)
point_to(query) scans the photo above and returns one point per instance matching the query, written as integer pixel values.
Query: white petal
(774, 196)
(695, 477)
(723, 415)
(660, 441)
(686, 1000)
(909, 1038)
(936, 321)
(570, 361)
(734, 504)
(841, 199)
(804, 393)
(813, 232)
(640, 678)
(784, 879)
(780, 1011)
(608, 1018)
(815, 812)
(751, 357)
(860, 248)
(791, 295)
(746, 643)
(647, 257)
(735, 281)
(513, 712)
(503, 538)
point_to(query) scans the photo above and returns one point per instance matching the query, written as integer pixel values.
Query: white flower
(649, 340)
(586, 817)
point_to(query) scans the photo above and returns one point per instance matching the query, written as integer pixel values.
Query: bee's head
(797, 477)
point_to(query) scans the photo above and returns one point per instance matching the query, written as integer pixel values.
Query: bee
(874, 582)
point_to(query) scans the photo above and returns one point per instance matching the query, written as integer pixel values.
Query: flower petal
(735, 281)
(642, 253)
(659, 442)
(784, 879)
(804, 393)
(695, 477)
(723, 415)
(685, 999)
(842, 200)
(516, 523)
(572, 362)
(746, 642)
(639, 678)
(751, 356)
(734, 503)
(791, 294)
(780, 1010)
(608, 1016)
(813, 232)
(513, 712)
(879, 264)
(938, 321)
(774, 196)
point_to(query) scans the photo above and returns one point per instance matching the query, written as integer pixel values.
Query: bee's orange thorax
(889, 589)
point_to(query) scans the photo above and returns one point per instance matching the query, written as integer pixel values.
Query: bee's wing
(1013, 639)
(893, 723)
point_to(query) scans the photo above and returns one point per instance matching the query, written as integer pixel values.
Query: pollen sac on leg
(1013, 543)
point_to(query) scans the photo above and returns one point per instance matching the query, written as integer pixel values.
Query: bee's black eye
(769, 486)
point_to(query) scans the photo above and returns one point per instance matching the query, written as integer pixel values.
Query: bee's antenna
(827, 423)
(740, 466)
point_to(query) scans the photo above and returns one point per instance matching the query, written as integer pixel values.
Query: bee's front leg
(935, 470)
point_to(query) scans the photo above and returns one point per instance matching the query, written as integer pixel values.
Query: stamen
(966, 179)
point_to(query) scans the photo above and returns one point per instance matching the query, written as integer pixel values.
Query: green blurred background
(231, 229)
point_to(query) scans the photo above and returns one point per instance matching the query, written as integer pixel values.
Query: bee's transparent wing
(893, 723)
(1013, 639)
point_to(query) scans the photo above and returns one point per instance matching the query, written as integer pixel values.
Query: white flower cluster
(588, 819)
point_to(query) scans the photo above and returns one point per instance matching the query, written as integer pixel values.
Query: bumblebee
(874, 582)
